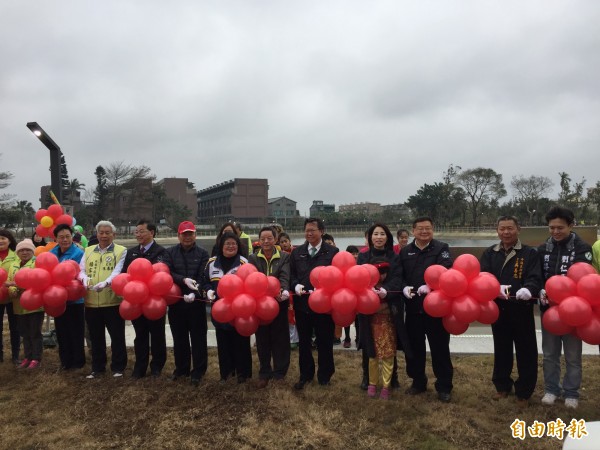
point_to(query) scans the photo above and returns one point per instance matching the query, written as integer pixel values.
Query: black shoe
(444, 397)
(175, 377)
(300, 384)
(324, 383)
(136, 375)
(395, 383)
(414, 391)
(364, 385)
(337, 341)
(1, 357)
(155, 374)
(241, 379)
(195, 381)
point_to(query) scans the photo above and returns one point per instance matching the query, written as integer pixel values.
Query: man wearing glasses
(314, 252)
(147, 332)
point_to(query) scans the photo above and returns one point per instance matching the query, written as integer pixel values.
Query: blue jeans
(551, 346)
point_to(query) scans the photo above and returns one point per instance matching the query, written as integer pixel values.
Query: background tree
(529, 192)
(64, 174)
(166, 210)
(26, 213)
(483, 187)
(100, 194)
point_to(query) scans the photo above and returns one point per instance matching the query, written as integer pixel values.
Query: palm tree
(74, 186)
(26, 213)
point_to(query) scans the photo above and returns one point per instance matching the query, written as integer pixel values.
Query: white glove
(84, 280)
(299, 289)
(210, 294)
(523, 294)
(407, 291)
(423, 290)
(191, 284)
(285, 295)
(189, 298)
(504, 291)
(100, 286)
(381, 292)
(543, 297)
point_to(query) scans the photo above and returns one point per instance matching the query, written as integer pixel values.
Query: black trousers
(15, 338)
(149, 337)
(323, 327)
(273, 341)
(419, 326)
(235, 356)
(97, 320)
(188, 327)
(30, 329)
(70, 330)
(515, 325)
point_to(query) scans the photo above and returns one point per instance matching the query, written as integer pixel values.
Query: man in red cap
(187, 318)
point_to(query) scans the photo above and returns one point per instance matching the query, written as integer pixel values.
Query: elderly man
(187, 318)
(416, 257)
(147, 332)
(517, 267)
(314, 252)
(99, 265)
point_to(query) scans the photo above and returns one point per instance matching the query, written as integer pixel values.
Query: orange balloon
(39, 250)
(50, 245)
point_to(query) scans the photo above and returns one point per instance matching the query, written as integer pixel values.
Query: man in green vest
(99, 265)
(244, 237)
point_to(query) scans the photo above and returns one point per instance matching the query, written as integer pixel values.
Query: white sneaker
(548, 398)
(117, 374)
(572, 403)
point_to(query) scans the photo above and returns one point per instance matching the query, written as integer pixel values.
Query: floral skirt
(384, 335)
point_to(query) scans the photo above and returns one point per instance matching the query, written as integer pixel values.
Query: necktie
(313, 251)
(142, 250)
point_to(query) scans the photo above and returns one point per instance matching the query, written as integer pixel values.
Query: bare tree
(530, 189)
(483, 187)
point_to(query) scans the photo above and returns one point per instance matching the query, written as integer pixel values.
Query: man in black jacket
(416, 257)
(147, 332)
(314, 252)
(187, 318)
(517, 267)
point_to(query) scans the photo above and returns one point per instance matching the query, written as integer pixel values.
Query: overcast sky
(341, 101)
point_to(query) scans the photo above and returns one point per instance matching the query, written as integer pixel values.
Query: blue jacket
(73, 253)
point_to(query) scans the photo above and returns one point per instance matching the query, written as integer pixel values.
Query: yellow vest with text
(14, 292)
(6, 265)
(98, 267)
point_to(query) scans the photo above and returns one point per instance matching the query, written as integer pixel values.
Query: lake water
(359, 241)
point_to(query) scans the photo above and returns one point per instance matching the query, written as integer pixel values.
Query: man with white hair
(99, 265)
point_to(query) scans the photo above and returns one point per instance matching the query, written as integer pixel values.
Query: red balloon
(314, 277)
(274, 288)
(3, 293)
(63, 273)
(574, 311)
(23, 279)
(243, 305)
(75, 265)
(256, 284)
(343, 319)
(55, 311)
(374, 272)
(367, 302)
(55, 211)
(590, 332)
(579, 270)
(154, 308)
(160, 284)
(319, 301)
(588, 287)
(560, 287)
(3, 275)
(331, 278)
(174, 295)
(343, 261)
(453, 283)
(230, 286)
(246, 326)
(136, 292)
(160, 267)
(55, 295)
(453, 326)
(552, 322)
(432, 275)
(31, 300)
(468, 265)
(466, 309)
(40, 278)
(119, 282)
(42, 231)
(75, 290)
(129, 311)
(140, 269)
(221, 311)
(46, 261)
(484, 288)
(40, 213)
(267, 309)
(489, 313)
(343, 301)
(64, 219)
(357, 278)
(245, 270)
(437, 304)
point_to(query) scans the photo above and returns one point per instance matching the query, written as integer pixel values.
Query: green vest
(14, 292)
(6, 265)
(98, 267)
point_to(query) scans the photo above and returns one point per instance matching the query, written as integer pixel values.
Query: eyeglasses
(230, 244)
(311, 230)
(141, 231)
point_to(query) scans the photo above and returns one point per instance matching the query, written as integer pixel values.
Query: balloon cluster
(146, 289)
(344, 289)
(50, 284)
(49, 218)
(575, 301)
(246, 299)
(462, 294)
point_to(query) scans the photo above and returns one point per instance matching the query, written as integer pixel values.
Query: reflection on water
(359, 241)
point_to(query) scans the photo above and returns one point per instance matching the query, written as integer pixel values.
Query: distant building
(131, 202)
(282, 208)
(398, 210)
(240, 199)
(364, 209)
(179, 190)
(318, 208)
